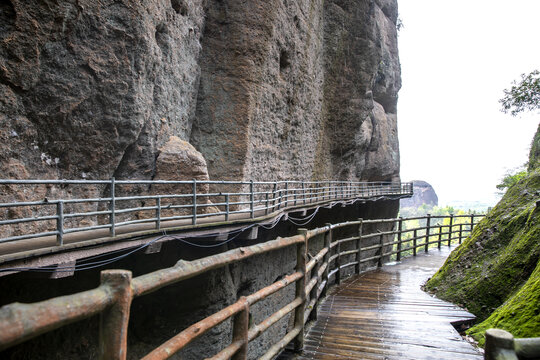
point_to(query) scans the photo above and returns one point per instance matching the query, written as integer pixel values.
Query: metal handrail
(59, 215)
(113, 298)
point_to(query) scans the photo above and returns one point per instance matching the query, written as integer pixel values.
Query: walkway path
(384, 314)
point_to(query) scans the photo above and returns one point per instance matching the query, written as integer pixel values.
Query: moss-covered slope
(491, 268)
(520, 314)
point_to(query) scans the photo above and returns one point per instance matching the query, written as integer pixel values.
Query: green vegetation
(520, 314)
(491, 271)
(523, 95)
(511, 178)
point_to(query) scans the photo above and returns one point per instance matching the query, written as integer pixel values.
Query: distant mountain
(423, 194)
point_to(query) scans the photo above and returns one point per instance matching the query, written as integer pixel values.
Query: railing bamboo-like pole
(112, 299)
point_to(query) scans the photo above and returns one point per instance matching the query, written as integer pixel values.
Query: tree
(511, 178)
(523, 95)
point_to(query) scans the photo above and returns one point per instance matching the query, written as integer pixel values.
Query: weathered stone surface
(288, 89)
(296, 97)
(93, 89)
(424, 193)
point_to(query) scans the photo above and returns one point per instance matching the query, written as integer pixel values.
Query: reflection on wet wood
(384, 314)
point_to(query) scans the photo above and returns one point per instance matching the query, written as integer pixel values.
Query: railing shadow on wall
(57, 209)
(323, 257)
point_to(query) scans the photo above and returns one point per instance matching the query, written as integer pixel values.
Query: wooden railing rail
(501, 345)
(340, 247)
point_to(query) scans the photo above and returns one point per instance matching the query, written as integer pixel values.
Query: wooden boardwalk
(384, 314)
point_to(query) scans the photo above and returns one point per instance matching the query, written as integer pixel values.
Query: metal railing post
(286, 193)
(267, 206)
(304, 192)
(158, 212)
(241, 330)
(113, 325)
(112, 207)
(428, 226)
(227, 207)
(472, 224)
(359, 246)
(251, 199)
(60, 223)
(300, 293)
(194, 219)
(274, 197)
(400, 229)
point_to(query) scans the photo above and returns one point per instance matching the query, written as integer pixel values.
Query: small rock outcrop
(424, 193)
(179, 160)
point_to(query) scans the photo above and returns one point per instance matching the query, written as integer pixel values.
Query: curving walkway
(384, 314)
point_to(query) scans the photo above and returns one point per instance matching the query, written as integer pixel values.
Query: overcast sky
(456, 58)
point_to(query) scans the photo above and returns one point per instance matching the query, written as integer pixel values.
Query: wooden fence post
(359, 246)
(440, 238)
(241, 329)
(414, 242)
(113, 324)
(381, 251)
(450, 229)
(428, 226)
(460, 232)
(499, 345)
(301, 254)
(400, 229)
(338, 262)
(327, 242)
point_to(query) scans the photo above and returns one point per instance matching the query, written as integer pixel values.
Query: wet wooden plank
(384, 314)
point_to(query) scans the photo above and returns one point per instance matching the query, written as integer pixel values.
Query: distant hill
(423, 194)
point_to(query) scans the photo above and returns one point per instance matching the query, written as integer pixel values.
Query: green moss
(520, 315)
(500, 256)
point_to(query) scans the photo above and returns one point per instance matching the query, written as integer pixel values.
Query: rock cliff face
(263, 89)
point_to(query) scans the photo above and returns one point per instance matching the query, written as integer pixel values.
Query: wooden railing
(501, 345)
(323, 257)
(31, 209)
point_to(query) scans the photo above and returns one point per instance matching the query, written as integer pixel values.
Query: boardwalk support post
(301, 254)
(113, 324)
